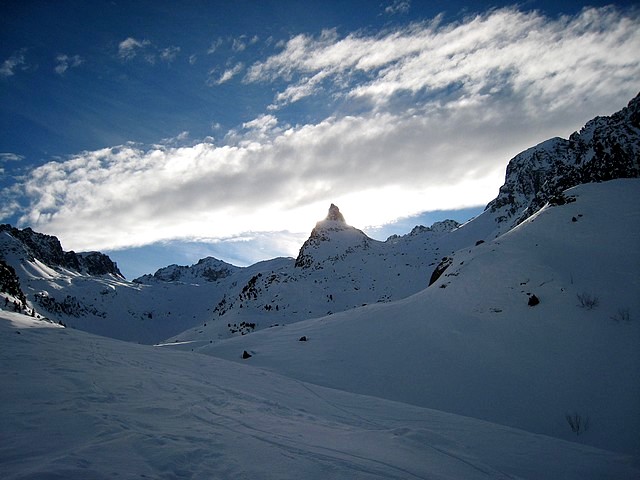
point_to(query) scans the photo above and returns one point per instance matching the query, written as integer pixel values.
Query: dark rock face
(48, 250)
(606, 148)
(533, 301)
(334, 222)
(439, 270)
(9, 282)
(334, 214)
(45, 248)
(96, 263)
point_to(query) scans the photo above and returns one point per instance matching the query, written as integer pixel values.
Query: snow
(471, 345)
(459, 380)
(78, 406)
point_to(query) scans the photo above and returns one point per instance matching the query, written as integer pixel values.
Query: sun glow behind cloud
(424, 117)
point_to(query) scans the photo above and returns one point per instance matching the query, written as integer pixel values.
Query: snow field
(78, 406)
(476, 348)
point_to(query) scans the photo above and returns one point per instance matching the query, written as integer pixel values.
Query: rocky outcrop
(604, 149)
(10, 283)
(48, 250)
(334, 214)
(331, 239)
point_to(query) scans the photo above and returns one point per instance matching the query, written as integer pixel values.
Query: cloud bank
(425, 117)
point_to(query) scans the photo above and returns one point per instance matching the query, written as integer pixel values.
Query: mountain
(338, 268)
(208, 269)
(525, 329)
(87, 291)
(213, 299)
(604, 149)
(343, 361)
(28, 245)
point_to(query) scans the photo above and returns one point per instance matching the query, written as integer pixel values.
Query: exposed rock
(9, 282)
(439, 270)
(334, 214)
(47, 249)
(344, 239)
(605, 148)
(533, 301)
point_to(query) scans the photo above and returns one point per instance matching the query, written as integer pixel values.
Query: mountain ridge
(48, 250)
(338, 267)
(605, 148)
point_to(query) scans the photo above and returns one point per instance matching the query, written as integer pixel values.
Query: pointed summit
(334, 214)
(331, 240)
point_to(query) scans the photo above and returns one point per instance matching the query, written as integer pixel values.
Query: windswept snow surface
(78, 406)
(470, 344)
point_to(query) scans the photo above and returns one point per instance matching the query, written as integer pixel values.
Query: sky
(162, 132)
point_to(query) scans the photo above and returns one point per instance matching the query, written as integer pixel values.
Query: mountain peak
(604, 149)
(335, 215)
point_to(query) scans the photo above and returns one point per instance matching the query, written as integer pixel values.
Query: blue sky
(162, 132)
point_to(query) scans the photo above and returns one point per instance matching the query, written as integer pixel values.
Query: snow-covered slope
(471, 344)
(78, 406)
(87, 291)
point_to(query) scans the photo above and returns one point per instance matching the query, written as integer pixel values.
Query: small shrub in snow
(588, 300)
(533, 301)
(577, 422)
(622, 315)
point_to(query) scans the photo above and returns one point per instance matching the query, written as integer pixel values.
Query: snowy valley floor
(78, 406)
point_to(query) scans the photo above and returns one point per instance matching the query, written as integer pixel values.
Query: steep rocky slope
(604, 149)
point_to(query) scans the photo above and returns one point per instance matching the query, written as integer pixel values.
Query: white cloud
(13, 63)
(64, 62)
(10, 157)
(525, 54)
(273, 177)
(217, 43)
(130, 47)
(442, 109)
(239, 44)
(169, 54)
(228, 74)
(398, 6)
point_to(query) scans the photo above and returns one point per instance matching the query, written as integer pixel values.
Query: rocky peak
(331, 238)
(604, 149)
(32, 245)
(334, 214)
